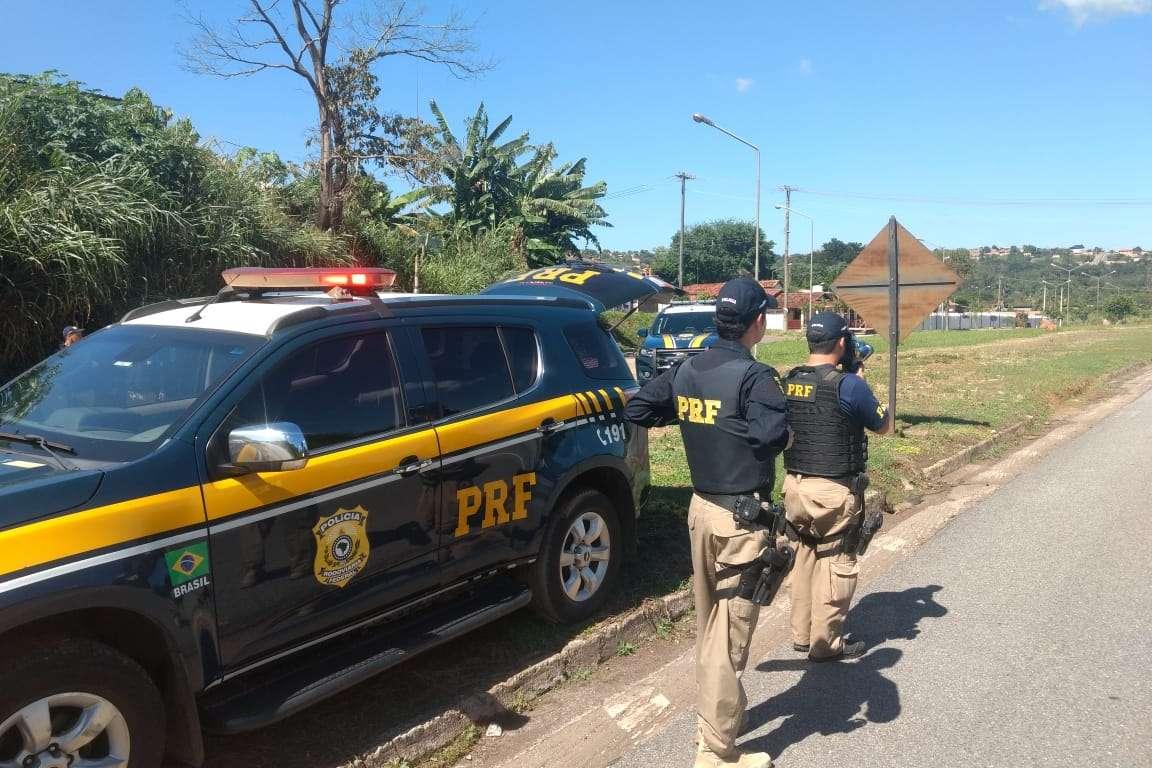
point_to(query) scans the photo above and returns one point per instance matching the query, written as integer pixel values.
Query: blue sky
(960, 118)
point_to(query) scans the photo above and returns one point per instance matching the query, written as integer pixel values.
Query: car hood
(31, 489)
(680, 341)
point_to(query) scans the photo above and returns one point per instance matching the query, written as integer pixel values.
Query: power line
(1040, 202)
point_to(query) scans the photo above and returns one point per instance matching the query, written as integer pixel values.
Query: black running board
(265, 696)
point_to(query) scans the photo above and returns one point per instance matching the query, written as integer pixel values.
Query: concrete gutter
(499, 702)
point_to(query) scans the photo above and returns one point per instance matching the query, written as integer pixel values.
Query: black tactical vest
(825, 442)
(714, 429)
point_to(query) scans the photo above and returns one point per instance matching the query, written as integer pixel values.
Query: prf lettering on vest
(800, 390)
(494, 498)
(564, 275)
(696, 410)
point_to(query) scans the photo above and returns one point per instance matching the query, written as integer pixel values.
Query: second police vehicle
(679, 331)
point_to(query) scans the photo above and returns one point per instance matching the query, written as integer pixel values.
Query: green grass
(955, 388)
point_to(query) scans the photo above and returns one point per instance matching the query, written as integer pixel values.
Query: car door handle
(412, 466)
(550, 425)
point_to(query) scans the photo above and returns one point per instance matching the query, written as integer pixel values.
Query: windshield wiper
(47, 446)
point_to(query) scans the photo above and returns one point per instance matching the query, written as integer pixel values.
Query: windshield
(114, 395)
(685, 322)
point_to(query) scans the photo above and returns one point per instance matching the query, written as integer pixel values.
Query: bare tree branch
(350, 128)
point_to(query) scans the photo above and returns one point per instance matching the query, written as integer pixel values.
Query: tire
(73, 680)
(561, 589)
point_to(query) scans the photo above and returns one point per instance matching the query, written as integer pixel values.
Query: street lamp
(811, 250)
(1069, 270)
(756, 236)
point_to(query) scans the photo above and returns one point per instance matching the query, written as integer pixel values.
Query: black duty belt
(725, 500)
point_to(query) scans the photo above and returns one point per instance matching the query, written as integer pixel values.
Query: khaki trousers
(724, 623)
(822, 584)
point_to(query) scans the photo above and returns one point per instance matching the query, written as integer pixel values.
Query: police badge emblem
(342, 546)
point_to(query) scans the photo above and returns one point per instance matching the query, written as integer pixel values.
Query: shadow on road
(841, 697)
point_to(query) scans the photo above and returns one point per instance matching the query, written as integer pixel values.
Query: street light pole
(756, 236)
(811, 250)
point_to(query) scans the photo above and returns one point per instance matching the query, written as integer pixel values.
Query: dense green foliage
(490, 184)
(715, 251)
(109, 203)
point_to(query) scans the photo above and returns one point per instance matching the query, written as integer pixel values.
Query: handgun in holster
(762, 578)
(867, 525)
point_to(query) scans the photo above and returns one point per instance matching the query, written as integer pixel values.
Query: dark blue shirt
(859, 404)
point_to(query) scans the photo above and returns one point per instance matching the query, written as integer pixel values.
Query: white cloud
(1084, 10)
(744, 84)
(805, 66)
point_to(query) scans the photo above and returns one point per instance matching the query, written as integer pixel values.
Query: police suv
(220, 511)
(679, 331)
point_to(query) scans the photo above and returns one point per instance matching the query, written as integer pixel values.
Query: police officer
(732, 418)
(829, 407)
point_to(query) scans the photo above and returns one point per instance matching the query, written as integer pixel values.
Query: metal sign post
(894, 284)
(893, 314)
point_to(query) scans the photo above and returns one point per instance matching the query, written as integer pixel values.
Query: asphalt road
(1021, 635)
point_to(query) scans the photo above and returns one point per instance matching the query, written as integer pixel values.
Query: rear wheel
(78, 704)
(580, 560)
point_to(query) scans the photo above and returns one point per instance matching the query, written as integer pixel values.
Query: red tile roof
(711, 290)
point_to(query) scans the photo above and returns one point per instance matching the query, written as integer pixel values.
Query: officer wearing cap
(732, 418)
(71, 335)
(829, 407)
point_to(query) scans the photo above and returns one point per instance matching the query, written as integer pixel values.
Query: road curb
(499, 703)
(960, 458)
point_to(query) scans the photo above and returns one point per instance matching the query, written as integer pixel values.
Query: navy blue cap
(826, 326)
(742, 299)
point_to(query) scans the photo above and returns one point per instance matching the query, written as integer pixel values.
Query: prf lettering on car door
(500, 501)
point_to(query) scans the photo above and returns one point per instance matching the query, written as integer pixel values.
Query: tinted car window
(469, 367)
(597, 352)
(336, 390)
(116, 394)
(523, 355)
(686, 322)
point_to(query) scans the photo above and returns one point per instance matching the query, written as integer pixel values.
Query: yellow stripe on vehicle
(66, 536)
(623, 395)
(92, 530)
(235, 495)
(669, 341)
(461, 435)
(611, 406)
(699, 340)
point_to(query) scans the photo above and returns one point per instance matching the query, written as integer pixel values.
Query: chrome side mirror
(276, 447)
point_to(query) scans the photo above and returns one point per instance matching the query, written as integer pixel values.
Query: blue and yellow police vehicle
(680, 330)
(221, 510)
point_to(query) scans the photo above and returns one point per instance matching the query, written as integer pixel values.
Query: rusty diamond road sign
(922, 281)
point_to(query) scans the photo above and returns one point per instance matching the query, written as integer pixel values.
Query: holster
(762, 578)
(866, 526)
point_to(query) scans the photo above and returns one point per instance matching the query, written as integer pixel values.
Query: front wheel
(78, 704)
(580, 560)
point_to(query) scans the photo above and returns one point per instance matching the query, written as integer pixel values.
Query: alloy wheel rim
(66, 730)
(585, 557)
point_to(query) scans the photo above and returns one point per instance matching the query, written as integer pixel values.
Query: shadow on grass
(362, 718)
(913, 419)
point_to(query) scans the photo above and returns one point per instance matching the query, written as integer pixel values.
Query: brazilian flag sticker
(187, 563)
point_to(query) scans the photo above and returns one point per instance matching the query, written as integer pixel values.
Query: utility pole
(683, 176)
(1000, 295)
(787, 232)
(1044, 303)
